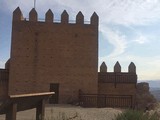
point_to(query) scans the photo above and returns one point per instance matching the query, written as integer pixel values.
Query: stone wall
(117, 82)
(45, 52)
(120, 89)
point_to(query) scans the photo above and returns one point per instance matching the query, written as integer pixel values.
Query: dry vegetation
(78, 113)
(67, 112)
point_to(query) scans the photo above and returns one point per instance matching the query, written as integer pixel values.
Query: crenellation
(94, 19)
(64, 17)
(33, 15)
(132, 68)
(49, 16)
(117, 67)
(80, 18)
(17, 14)
(103, 67)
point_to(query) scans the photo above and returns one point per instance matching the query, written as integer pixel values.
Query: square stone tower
(54, 56)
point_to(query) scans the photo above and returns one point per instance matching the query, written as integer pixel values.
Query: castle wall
(45, 52)
(4, 76)
(120, 89)
(117, 82)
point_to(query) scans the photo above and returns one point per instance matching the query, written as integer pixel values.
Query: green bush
(135, 115)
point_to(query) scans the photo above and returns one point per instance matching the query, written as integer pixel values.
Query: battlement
(49, 17)
(122, 78)
(117, 68)
(117, 76)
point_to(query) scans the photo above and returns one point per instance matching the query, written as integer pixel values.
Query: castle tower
(48, 55)
(117, 67)
(103, 67)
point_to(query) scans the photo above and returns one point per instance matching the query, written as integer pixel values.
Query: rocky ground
(58, 112)
(77, 113)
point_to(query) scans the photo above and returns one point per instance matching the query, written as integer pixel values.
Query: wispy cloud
(117, 39)
(129, 12)
(141, 39)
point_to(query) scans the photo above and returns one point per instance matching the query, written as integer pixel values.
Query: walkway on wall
(16, 103)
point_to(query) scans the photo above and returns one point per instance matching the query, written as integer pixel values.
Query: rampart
(49, 18)
(117, 82)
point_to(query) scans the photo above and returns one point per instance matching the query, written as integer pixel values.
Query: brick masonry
(46, 52)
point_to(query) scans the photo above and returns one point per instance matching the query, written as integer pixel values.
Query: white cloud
(117, 39)
(141, 39)
(137, 12)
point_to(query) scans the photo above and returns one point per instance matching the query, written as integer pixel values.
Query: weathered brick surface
(117, 82)
(46, 52)
(119, 89)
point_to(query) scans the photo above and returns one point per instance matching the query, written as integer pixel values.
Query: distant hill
(154, 87)
(156, 93)
(152, 83)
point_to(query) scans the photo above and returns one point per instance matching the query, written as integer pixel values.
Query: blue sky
(129, 30)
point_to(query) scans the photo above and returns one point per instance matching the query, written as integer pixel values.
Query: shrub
(135, 115)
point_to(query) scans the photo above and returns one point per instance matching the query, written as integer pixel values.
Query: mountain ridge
(154, 87)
